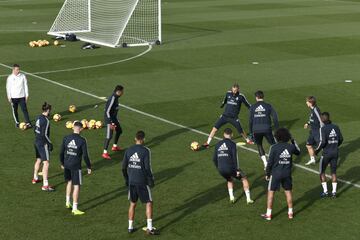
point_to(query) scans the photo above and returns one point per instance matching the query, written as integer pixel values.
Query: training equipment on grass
(72, 108)
(85, 123)
(22, 126)
(56, 43)
(69, 124)
(112, 23)
(98, 124)
(241, 144)
(92, 124)
(195, 146)
(57, 117)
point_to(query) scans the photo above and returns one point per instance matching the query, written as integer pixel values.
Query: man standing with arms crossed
(73, 148)
(18, 94)
(136, 168)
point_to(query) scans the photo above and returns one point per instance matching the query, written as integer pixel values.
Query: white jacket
(16, 86)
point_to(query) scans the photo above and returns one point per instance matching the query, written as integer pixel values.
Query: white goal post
(112, 23)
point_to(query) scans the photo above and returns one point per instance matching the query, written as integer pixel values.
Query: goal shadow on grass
(351, 175)
(160, 177)
(347, 148)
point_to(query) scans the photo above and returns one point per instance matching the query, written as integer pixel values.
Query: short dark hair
(325, 117)
(259, 94)
(282, 135)
(78, 124)
(16, 65)
(236, 85)
(140, 135)
(46, 107)
(118, 88)
(312, 100)
(228, 131)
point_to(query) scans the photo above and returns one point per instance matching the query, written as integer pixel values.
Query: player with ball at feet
(226, 161)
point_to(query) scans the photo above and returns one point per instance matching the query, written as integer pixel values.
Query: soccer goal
(111, 23)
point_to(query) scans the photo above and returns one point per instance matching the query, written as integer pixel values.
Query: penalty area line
(165, 120)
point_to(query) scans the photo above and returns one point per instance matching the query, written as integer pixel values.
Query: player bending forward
(73, 148)
(136, 168)
(260, 123)
(232, 102)
(43, 146)
(278, 170)
(112, 122)
(315, 124)
(226, 161)
(330, 140)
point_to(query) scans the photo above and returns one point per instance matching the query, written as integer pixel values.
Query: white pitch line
(93, 66)
(166, 121)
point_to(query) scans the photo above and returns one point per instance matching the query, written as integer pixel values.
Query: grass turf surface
(303, 48)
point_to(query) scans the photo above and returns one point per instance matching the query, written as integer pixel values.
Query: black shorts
(139, 191)
(276, 181)
(230, 175)
(42, 151)
(258, 138)
(75, 176)
(313, 139)
(325, 161)
(233, 121)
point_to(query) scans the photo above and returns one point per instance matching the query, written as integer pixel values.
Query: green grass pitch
(303, 47)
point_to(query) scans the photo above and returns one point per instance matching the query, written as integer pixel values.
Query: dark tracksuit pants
(15, 102)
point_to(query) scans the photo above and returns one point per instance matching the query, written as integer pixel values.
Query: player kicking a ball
(330, 140)
(226, 161)
(315, 124)
(43, 146)
(136, 168)
(232, 102)
(73, 148)
(112, 122)
(278, 170)
(260, 123)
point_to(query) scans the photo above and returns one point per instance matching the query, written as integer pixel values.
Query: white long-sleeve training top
(16, 86)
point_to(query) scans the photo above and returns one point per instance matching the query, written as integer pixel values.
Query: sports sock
(290, 210)
(67, 199)
(46, 183)
(231, 193)
(268, 212)
(75, 205)
(114, 145)
(209, 140)
(263, 158)
(36, 177)
(105, 151)
(312, 158)
(324, 185)
(334, 185)
(247, 193)
(149, 224)
(131, 224)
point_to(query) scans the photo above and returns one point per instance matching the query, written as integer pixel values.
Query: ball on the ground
(85, 123)
(56, 43)
(32, 44)
(69, 124)
(72, 108)
(57, 117)
(91, 124)
(195, 146)
(22, 126)
(98, 124)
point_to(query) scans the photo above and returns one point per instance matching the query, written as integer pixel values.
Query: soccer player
(73, 149)
(330, 140)
(136, 168)
(43, 146)
(18, 94)
(315, 124)
(226, 161)
(278, 170)
(260, 123)
(111, 121)
(232, 102)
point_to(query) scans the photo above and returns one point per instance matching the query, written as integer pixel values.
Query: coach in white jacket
(18, 94)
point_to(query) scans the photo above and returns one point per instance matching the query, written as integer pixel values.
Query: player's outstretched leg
(246, 187)
(311, 154)
(118, 132)
(288, 195)
(211, 136)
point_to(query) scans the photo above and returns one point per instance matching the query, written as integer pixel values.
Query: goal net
(110, 23)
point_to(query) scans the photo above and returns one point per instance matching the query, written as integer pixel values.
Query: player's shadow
(302, 203)
(348, 148)
(352, 175)
(288, 123)
(160, 177)
(260, 182)
(81, 109)
(155, 141)
(193, 204)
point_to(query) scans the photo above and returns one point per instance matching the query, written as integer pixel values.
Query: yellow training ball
(98, 124)
(72, 108)
(69, 124)
(22, 126)
(57, 117)
(195, 146)
(56, 43)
